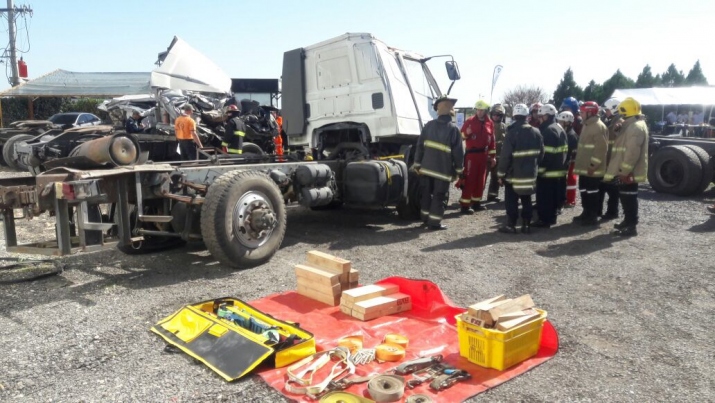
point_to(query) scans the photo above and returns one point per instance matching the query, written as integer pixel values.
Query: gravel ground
(633, 315)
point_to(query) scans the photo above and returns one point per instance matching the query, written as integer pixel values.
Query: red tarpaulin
(430, 327)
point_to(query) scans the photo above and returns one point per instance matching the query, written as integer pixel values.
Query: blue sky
(535, 41)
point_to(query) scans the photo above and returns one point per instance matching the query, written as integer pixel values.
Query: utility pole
(11, 11)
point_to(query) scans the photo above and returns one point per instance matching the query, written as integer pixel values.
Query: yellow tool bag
(232, 338)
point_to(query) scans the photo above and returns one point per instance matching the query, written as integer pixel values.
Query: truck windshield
(420, 81)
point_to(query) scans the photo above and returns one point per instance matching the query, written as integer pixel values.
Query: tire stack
(682, 170)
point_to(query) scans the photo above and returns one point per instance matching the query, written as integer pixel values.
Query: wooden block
(510, 324)
(383, 303)
(377, 313)
(482, 304)
(343, 302)
(472, 320)
(329, 263)
(483, 312)
(353, 284)
(370, 291)
(346, 310)
(324, 298)
(316, 275)
(353, 276)
(516, 315)
(517, 304)
(332, 290)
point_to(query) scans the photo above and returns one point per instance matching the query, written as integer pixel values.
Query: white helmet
(520, 110)
(547, 109)
(565, 116)
(612, 105)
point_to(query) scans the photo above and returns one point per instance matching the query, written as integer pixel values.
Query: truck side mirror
(452, 70)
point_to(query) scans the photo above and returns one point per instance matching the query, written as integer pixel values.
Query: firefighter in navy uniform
(235, 131)
(522, 150)
(499, 134)
(552, 169)
(629, 164)
(439, 158)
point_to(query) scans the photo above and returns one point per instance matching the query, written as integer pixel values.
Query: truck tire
(233, 200)
(409, 208)
(2, 158)
(707, 167)
(8, 151)
(675, 170)
(150, 243)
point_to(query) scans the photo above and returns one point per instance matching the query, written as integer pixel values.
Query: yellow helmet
(481, 104)
(629, 107)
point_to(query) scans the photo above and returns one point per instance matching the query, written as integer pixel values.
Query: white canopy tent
(669, 96)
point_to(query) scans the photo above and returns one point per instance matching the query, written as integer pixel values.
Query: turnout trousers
(569, 188)
(629, 201)
(434, 195)
(547, 198)
(475, 177)
(494, 181)
(511, 202)
(612, 205)
(589, 195)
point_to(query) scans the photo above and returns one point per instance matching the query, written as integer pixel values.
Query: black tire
(217, 218)
(2, 159)
(707, 167)
(409, 208)
(150, 244)
(252, 148)
(675, 170)
(8, 151)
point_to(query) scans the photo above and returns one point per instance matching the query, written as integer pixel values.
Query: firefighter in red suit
(479, 157)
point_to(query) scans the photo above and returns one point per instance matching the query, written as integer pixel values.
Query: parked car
(75, 119)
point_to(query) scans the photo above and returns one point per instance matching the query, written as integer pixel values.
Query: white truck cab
(356, 90)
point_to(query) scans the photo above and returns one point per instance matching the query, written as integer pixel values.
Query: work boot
(467, 211)
(579, 217)
(541, 224)
(589, 221)
(478, 206)
(609, 216)
(626, 231)
(508, 229)
(525, 229)
(559, 211)
(493, 198)
(436, 227)
(620, 225)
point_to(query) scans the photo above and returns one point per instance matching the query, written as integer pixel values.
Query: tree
(696, 76)
(567, 88)
(645, 78)
(593, 91)
(673, 78)
(524, 94)
(617, 80)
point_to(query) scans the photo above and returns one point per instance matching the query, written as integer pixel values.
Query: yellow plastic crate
(492, 348)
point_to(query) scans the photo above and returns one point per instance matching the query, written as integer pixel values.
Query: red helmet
(232, 108)
(590, 107)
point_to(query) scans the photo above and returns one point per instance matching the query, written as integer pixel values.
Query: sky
(534, 41)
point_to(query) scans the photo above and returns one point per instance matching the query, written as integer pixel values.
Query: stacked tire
(682, 170)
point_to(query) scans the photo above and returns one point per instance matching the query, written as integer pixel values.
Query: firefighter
(614, 121)
(439, 157)
(551, 169)
(572, 105)
(235, 131)
(519, 160)
(479, 155)
(497, 115)
(570, 184)
(533, 118)
(629, 163)
(591, 162)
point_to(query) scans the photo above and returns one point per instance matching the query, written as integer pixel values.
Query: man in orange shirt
(185, 128)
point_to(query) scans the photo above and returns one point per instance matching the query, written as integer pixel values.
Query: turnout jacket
(592, 149)
(630, 151)
(555, 150)
(572, 139)
(499, 134)
(439, 153)
(233, 136)
(614, 127)
(521, 153)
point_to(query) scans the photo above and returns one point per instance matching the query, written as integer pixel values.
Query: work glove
(459, 184)
(492, 162)
(415, 169)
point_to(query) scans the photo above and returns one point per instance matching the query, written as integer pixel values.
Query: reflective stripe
(435, 217)
(522, 187)
(416, 164)
(435, 174)
(591, 191)
(612, 142)
(626, 166)
(608, 178)
(556, 150)
(583, 172)
(571, 187)
(424, 213)
(542, 170)
(438, 146)
(526, 153)
(501, 174)
(477, 199)
(464, 200)
(224, 144)
(459, 170)
(639, 178)
(554, 174)
(493, 152)
(239, 133)
(587, 145)
(628, 193)
(595, 160)
(234, 151)
(523, 180)
(619, 149)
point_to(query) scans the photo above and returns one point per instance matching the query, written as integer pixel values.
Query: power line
(12, 14)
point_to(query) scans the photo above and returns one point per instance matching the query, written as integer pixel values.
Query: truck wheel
(675, 170)
(2, 159)
(8, 152)
(150, 243)
(243, 219)
(409, 208)
(707, 167)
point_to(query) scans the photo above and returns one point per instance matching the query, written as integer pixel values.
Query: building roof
(63, 83)
(669, 96)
